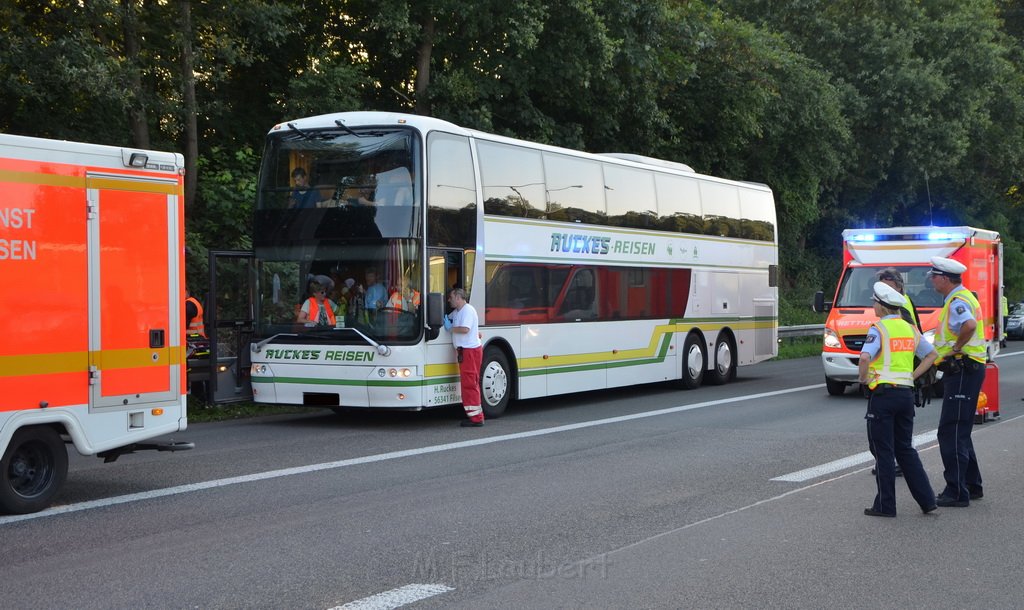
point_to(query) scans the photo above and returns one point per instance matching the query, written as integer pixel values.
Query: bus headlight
(832, 339)
(258, 369)
(399, 373)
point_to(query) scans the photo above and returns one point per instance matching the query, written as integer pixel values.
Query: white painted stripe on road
(396, 598)
(381, 457)
(843, 463)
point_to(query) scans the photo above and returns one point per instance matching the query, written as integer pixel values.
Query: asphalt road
(645, 497)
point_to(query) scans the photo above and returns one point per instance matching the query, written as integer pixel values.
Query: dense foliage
(856, 112)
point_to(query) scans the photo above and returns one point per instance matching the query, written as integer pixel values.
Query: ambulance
(91, 307)
(908, 250)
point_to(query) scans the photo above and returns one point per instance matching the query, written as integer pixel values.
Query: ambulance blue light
(943, 236)
(862, 237)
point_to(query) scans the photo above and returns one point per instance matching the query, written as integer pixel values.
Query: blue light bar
(862, 237)
(944, 236)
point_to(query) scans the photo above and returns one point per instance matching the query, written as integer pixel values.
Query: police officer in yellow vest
(960, 342)
(887, 368)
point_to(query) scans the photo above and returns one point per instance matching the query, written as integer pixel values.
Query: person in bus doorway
(194, 315)
(887, 368)
(464, 326)
(318, 310)
(960, 343)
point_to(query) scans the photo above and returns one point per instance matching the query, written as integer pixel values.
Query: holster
(458, 351)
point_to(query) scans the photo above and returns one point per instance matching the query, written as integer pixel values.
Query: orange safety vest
(196, 325)
(314, 311)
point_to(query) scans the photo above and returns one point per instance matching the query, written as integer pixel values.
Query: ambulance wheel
(724, 370)
(495, 386)
(33, 470)
(835, 388)
(695, 361)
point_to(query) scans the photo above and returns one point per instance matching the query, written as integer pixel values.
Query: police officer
(960, 342)
(887, 368)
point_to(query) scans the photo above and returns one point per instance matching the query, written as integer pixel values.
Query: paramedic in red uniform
(463, 323)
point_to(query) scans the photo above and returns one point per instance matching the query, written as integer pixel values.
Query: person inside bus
(405, 298)
(302, 196)
(318, 310)
(375, 295)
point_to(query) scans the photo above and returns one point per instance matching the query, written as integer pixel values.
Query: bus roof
(427, 124)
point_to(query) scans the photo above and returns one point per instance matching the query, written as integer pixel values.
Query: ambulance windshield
(855, 290)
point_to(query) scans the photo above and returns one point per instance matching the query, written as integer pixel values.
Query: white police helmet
(946, 266)
(887, 295)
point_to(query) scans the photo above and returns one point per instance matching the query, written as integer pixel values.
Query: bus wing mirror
(435, 309)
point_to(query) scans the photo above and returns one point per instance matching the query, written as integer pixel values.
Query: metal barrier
(805, 330)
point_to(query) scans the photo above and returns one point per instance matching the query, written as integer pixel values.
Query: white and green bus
(588, 271)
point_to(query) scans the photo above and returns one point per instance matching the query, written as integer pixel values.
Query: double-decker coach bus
(588, 271)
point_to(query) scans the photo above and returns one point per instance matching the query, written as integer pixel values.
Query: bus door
(134, 357)
(231, 323)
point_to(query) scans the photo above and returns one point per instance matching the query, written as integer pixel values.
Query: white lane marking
(396, 598)
(380, 457)
(843, 463)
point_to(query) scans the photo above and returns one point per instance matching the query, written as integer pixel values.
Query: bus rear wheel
(724, 370)
(695, 360)
(495, 386)
(32, 470)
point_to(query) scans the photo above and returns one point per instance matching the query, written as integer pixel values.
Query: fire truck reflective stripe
(70, 362)
(134, 184)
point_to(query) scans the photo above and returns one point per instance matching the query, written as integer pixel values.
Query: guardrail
(805, 330)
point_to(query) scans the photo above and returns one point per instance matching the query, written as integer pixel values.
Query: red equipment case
(990, 388)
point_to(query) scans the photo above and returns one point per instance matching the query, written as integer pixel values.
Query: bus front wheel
(495, 377)
(695, 360)
(32, 470)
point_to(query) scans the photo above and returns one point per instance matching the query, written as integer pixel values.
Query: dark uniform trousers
(890, 419)
(959, 404)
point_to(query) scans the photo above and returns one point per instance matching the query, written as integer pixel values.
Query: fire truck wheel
(33, 470)
(695, 361)
(834, 388)
(724, 370)
(495, 382)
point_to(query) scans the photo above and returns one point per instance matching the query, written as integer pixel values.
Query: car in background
(1015, 322)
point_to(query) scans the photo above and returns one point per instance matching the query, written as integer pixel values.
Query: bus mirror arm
(382, 349)
(257, 347)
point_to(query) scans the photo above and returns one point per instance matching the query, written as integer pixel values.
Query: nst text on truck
(91, 332)
(908, 250)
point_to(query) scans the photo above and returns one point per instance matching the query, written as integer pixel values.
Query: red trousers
(469, 376)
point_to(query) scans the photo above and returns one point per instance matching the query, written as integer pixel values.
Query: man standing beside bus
(463, 323)
(960, 343)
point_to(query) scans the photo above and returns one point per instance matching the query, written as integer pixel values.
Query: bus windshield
(338, 236)
(858, 282)
(332, 184)
(371, 287)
